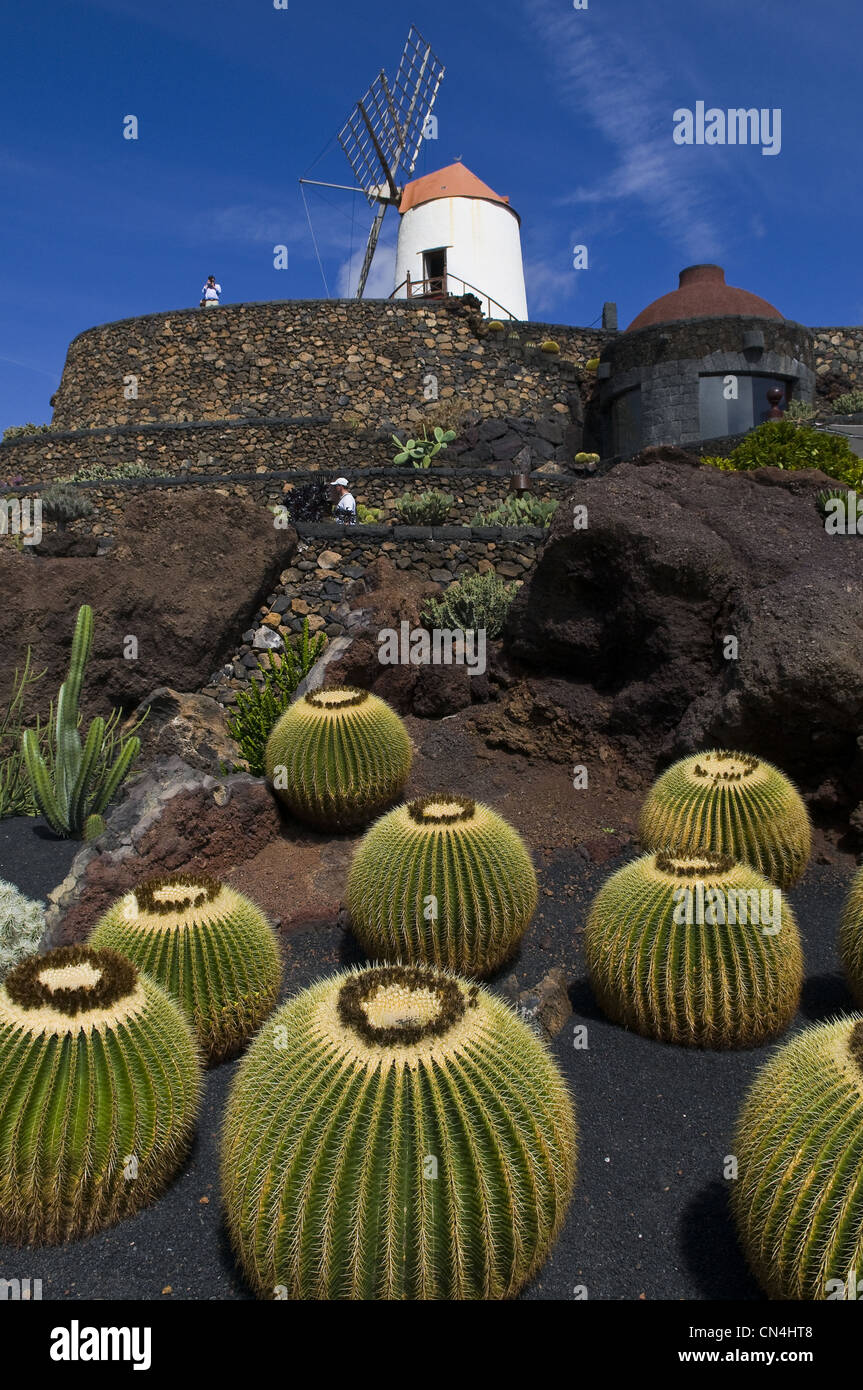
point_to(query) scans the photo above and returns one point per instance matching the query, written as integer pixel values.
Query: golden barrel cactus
(445, 881)
(396, 1133)
(210, 947)
(851, 937)
(99, 1085)
(695, 950)
(798, 1197)
(338, 758)
(735, 804)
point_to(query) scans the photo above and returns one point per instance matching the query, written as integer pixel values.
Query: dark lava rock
(186, 575)
(172, 818)
(677, 558)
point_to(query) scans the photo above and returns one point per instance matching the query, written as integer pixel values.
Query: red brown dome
(703, 293)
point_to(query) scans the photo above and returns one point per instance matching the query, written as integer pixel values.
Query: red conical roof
(455, 181)
(703, 293)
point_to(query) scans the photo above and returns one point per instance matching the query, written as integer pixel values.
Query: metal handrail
(440, 283)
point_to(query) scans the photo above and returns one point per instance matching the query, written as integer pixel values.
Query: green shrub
(259, 708)
(782, 444)
(74, 783)
(427, 509)
(479, 602)
(63, 503)
(420, 452)
(518, 511)
(22, 926)
(16, 431)
(849, 404)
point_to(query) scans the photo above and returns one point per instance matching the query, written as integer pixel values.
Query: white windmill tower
(457, 236)
(383, 135)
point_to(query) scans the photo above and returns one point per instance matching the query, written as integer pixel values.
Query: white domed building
(457, 236)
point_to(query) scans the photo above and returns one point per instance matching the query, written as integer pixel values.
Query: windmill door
(434, 273)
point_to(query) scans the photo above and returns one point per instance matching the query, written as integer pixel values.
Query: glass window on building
(626, 423)
(736, 402)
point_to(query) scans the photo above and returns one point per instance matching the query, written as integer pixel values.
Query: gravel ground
(649, 1217)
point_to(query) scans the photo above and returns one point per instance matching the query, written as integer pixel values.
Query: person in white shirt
(210, 293)
(346, 507)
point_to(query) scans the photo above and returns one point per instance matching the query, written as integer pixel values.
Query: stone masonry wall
(839, 351)
(361, 360)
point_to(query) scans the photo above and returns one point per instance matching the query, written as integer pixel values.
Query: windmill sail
(383, 135)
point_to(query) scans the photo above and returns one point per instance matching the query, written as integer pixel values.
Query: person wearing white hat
(346, 507)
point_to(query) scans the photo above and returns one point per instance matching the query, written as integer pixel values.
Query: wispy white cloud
(550, 283)
(611, 81)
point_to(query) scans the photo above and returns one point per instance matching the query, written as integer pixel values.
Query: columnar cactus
(75, 790)
(396, 1133)
(337, 758)
(851, 937)
(99, 1088)
(733, 803)
(695, 950)
(443, 880)
(798, 1197)
(211, 948)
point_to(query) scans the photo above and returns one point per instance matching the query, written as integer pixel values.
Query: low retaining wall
(329, 570)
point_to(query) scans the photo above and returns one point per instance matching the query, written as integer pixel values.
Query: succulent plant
(735, 804)
(475, 603)
(694, 949)
(427, 509)
(22, 926)
(99, 1087)
(81, 781)
(339, 757)
(798, 1197)
(208, 946)
(444, 880)
(550, 346)
(396, 1133)
(63, 503)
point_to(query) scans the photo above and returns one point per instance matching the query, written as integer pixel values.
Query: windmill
(383, 135)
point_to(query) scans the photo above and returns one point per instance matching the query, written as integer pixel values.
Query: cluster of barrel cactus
(99, 1086)
(733, 803)
(337, 758)
(695, 949)
(396, 1133)
(443, 880)
(211, 948)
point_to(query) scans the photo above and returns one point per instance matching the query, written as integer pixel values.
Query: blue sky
(570, 112)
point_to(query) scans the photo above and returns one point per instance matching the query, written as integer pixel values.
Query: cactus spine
(445, 881)
(396, 1133)
(732, 803)
(851, 939)
(73, 800)
(689, 950)
(208, 946)
(337, 758)
(798, 1198)
(99, 1087)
